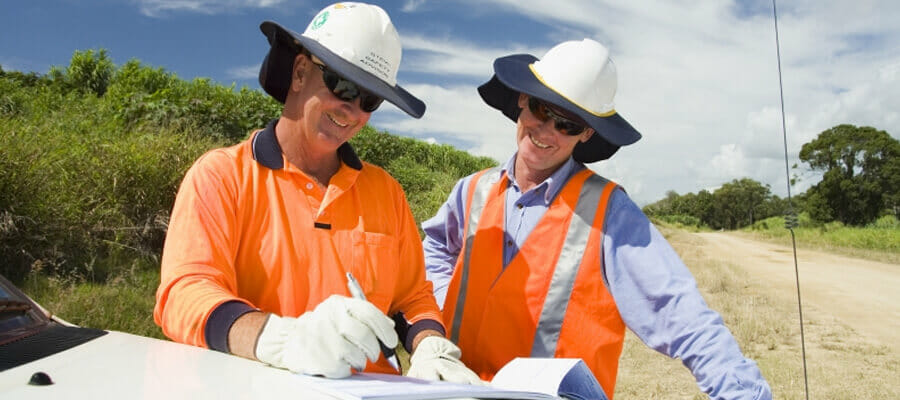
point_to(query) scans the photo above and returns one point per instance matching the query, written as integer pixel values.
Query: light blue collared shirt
(654, 291)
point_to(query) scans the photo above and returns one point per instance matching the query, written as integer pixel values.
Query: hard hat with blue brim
(356, 40)
(576, 76)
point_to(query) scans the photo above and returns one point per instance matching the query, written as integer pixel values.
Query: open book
(521, 378)
(565, 377)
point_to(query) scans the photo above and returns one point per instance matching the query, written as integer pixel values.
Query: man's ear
(523, 100)
(587, 134)
(297, 73)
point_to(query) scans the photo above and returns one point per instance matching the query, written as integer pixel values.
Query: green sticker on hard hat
(320, 20)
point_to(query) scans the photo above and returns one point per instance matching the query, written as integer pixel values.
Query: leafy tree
(663, 206)
(23, 79)
(90, 72)
(703, 207)
(739, 203)
(142, 95)
(861, 174)
(736, 204)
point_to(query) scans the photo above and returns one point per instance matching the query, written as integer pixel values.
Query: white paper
(374, 386)
(542, 375)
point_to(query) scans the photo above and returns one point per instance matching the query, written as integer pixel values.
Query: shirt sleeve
(658, 300)
(197, 269)
(414, 296)
(443, 240)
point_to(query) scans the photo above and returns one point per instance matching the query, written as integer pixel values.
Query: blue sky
(697, 78)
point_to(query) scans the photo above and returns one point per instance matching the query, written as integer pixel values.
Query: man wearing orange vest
(540, 257)
(286, 248)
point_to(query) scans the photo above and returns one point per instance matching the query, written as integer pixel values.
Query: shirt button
(509, 242)
(309, 185)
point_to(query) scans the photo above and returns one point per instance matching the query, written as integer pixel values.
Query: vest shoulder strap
(479, 188)
(591, 199)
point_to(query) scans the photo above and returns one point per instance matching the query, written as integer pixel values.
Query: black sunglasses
(346, 90)
(542, 111)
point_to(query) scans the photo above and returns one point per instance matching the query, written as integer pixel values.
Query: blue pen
(357, 293)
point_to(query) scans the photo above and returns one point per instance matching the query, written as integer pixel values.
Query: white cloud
(412, 5)
(729, 162)
(699, 80)
(442, 56)
(457, 116)
(155, 8)
(245, 72)
(11, 64)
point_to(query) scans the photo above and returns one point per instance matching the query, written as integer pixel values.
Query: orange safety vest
(550, 301)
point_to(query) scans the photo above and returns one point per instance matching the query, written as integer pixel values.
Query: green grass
(880, 241)
(123, 303)
(679, 222)
(81, 195)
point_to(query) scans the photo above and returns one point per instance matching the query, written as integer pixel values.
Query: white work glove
(437, 359)
(341, 332)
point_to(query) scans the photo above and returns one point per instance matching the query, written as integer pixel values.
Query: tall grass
(81, 194)
(878, 241)
(82, 197)
(123, 302)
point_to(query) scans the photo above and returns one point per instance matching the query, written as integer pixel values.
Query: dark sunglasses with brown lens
(543, 111)
(346, 90)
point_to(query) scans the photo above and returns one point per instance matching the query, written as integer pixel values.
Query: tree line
(860, 169)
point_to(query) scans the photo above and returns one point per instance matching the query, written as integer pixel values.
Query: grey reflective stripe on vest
(546, 337)
(482, 187)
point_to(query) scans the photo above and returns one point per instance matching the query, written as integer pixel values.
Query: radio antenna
(790, 219)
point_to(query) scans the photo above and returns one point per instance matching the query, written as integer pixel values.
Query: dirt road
(865, 295)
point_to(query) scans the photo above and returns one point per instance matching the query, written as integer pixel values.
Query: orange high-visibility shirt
(248, 226)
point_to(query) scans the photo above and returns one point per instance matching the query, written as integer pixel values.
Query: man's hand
(338, 334)
(437, 358)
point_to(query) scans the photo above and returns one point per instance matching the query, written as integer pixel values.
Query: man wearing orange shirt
(264, 234)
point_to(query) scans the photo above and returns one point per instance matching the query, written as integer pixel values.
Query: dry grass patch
(841, 364)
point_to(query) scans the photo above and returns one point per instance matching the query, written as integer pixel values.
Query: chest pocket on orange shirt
(376, 263)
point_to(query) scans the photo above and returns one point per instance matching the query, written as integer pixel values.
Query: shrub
(10, 103)
(681, 220)
(141, 95)
(381, 149)
(80, 196)
(129, 89)
(90, 71)
(885, 222)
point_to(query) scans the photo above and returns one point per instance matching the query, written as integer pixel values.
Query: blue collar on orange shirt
(267, 151)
